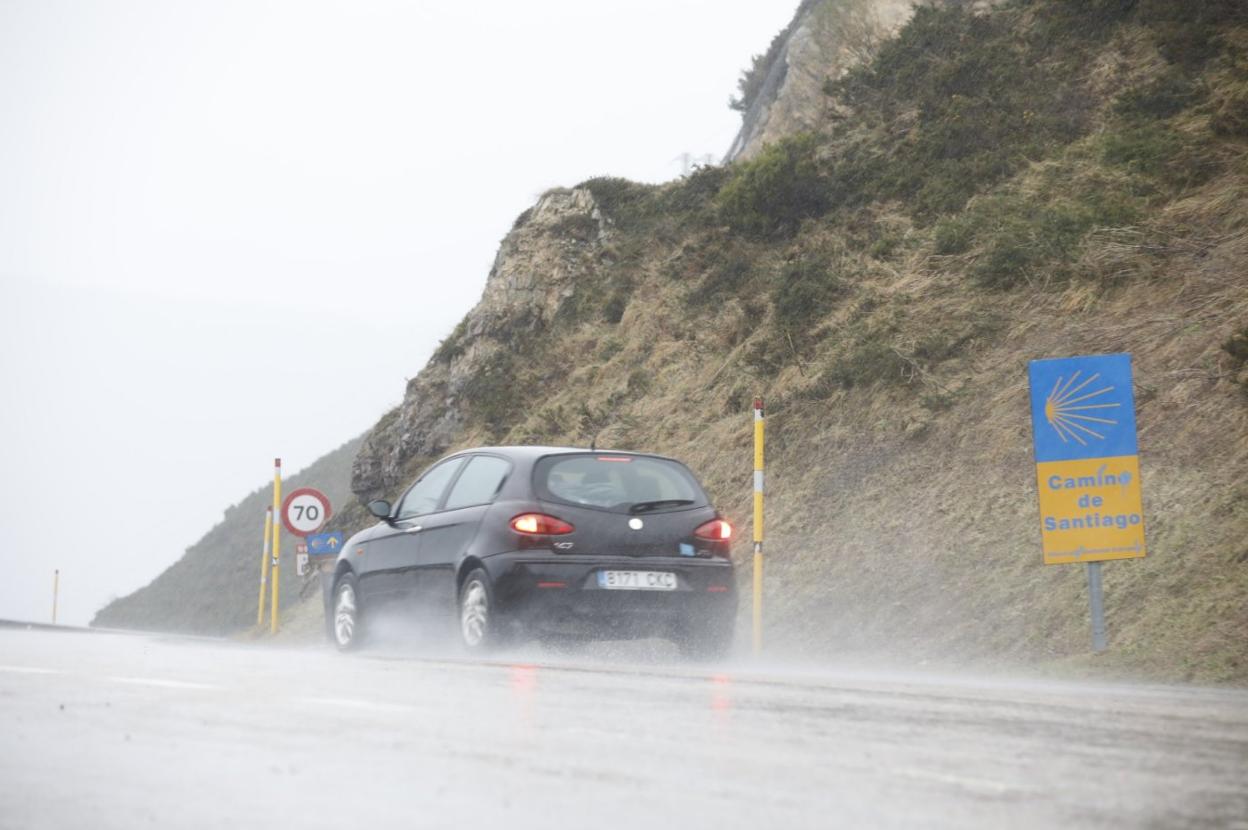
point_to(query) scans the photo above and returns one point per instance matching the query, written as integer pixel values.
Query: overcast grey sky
(230, 230)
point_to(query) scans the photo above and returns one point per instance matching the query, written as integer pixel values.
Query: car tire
(346, 625)
(480, 629)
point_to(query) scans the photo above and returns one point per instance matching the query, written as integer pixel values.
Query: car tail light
(539, 524)
(716, 530)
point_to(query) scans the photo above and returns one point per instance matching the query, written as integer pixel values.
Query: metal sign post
(1098, 606)
(1087, 467)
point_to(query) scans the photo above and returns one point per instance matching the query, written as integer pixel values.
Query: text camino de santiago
(1091, 519)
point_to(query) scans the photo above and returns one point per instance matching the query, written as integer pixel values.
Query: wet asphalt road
(104, 730)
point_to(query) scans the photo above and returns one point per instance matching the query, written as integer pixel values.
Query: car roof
(532, 453)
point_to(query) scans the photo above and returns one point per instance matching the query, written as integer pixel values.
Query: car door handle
(413, 529)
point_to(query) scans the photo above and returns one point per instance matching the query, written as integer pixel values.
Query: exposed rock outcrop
(824, 41)
(537, 270)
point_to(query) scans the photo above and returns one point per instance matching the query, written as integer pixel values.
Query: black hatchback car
(518, 542)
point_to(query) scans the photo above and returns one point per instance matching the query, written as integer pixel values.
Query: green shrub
(627, 203)
(720, 267)
(454, 344)
(766, 356)
(525, 216)
(750, 84)
(609, 348)
(954, 235)
(616, 304)
(1237, 346)
(492, 394)
(1026, 239)
(578, 226)
(1190, 34)
(694, 192)
(804, 291)
(1159, 152)
(769, 195)
(1167, 95)
(638, 381)
(1230, 114)
(885, 246)
(865, 363)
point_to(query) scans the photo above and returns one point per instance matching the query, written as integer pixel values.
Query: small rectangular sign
(326, 544)
(1087, 467)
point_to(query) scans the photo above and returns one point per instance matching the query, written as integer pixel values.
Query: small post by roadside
(264, 564)
(277, 540)
(56, 587)
(758, 526)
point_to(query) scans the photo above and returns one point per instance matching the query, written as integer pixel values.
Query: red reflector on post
(716, 530)
(539, 524)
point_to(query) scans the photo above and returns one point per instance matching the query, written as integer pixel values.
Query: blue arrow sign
(1082, 407)
(326, 544)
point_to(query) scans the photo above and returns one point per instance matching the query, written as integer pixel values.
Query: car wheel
(347, 623)
(479, 626)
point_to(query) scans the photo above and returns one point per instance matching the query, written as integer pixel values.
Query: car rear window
(619, 483)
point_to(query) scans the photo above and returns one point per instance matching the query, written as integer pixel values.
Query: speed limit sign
(305, 511)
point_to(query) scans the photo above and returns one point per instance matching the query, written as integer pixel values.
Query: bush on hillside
(724, 270)
(804, 291)
(750, 84)
(625, 202)
(1168, 94)
(769, 195)
(1155, 150)
(492, 394)
(1027, 237)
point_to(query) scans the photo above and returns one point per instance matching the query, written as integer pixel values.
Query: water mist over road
(117, 731)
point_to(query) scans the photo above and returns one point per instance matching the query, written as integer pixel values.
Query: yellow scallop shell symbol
(1067, 411)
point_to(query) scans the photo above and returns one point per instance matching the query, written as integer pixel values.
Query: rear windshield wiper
(644, 506)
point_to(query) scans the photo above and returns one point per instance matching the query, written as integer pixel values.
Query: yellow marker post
(264, 565)
(277, 540)
(56, 587)
(758, 525)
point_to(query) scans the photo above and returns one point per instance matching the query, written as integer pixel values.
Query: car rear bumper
(561, 593)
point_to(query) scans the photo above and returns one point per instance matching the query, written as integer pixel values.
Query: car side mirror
(379, 508)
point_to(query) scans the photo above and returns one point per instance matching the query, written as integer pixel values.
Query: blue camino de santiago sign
(1087, 461)
(325, 544)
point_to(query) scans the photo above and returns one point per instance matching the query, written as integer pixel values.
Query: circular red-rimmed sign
(305, 511)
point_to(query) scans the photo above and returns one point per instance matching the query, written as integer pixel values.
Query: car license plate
(637, 580)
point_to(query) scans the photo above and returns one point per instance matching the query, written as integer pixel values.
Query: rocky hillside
(916, 217)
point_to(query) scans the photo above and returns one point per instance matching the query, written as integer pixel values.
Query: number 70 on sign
(305, 511)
